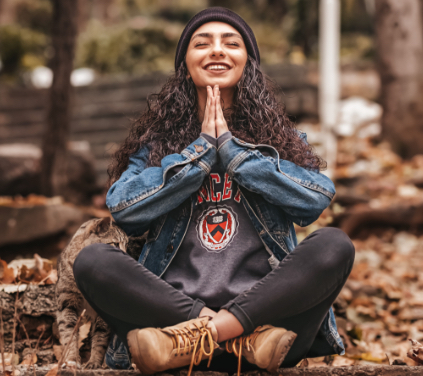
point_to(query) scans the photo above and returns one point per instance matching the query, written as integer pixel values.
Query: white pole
(329, 88)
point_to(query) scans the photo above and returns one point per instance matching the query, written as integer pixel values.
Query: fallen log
(24, 222)
(36, 307)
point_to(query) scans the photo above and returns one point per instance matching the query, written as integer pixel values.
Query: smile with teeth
(217, 67)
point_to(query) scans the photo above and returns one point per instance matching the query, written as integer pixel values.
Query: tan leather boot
(266, 347)
(155, 350)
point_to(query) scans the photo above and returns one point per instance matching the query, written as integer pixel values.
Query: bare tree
(399, 37)
(54, 161)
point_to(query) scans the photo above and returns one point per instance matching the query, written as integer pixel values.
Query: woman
(217, 174)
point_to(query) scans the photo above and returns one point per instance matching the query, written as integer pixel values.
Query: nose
(217, 49)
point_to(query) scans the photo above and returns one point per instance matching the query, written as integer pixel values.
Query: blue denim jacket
(276, 193)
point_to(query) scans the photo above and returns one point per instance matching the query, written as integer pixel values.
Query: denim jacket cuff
(223, 137)
(203, 152)
(211, 139)
(232, 152)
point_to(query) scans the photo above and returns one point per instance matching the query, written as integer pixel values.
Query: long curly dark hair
(170, 122)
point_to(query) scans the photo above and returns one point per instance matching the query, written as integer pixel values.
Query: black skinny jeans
(296, 295)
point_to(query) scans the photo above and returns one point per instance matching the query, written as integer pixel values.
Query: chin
(222, 85)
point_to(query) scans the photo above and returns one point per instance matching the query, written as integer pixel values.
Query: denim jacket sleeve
(303, 194)
(143, 194)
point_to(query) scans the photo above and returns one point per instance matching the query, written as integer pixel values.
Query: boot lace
(236, 344)
(195, 337)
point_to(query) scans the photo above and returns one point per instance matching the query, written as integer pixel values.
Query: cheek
(240, 60)
(240, 68)
(194, 59)
(193, 63)
(197, 76)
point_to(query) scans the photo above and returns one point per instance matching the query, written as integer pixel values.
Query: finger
(210, 109)
(219, 113)
(221, 125)
(207, 108)
(220, 103)
(213, 108)
(216, 90)
(209, 123)
(213, 113)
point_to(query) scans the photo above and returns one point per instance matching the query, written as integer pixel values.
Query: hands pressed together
(214, 123)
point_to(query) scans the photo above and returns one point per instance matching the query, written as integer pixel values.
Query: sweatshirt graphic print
(218, 224)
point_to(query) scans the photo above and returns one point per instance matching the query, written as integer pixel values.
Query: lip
(216, 71)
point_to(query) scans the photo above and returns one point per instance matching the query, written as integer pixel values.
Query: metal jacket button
(198, 148)
(169, 248)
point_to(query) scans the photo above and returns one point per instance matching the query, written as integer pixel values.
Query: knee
(338, 249)
(85, 261)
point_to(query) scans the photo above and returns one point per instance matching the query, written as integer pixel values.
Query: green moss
(21, 49)
(123, 48)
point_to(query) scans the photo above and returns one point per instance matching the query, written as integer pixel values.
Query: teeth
(217, 67)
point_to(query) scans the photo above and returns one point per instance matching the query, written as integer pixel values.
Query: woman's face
(216, 55)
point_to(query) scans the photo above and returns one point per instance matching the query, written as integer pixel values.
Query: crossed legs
(296, 295)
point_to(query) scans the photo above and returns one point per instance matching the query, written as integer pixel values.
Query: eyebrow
(223, 35)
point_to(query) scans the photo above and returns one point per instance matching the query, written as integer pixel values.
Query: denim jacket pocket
(153, 234)
(156, 228)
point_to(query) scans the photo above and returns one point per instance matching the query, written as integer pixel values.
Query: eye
(200, 44)
(234, 44)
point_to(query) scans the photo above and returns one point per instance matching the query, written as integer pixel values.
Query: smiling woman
(217, 175)
(216, 55)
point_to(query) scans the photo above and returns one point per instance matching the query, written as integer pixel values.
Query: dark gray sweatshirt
(221, 255)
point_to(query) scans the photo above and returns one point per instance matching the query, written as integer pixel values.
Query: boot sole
(136, 353)
(281, 350)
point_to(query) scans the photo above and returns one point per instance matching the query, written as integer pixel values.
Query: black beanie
(222, 15)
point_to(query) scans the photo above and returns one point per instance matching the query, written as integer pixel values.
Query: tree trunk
(399, 38)
(64, 28)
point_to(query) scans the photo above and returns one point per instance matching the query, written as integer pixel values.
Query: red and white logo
(216, 228)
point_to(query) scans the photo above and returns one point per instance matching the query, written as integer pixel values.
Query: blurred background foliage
(140, 36)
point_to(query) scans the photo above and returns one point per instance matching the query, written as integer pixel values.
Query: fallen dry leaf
(416, 351)
(29, 359)
(342, 361)
(316, 362)
(6, 274)
(53, 371)
(42, 267)
(33, 270)
(16, 372)
(10, 359)
(303, 363)
(52, 278)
